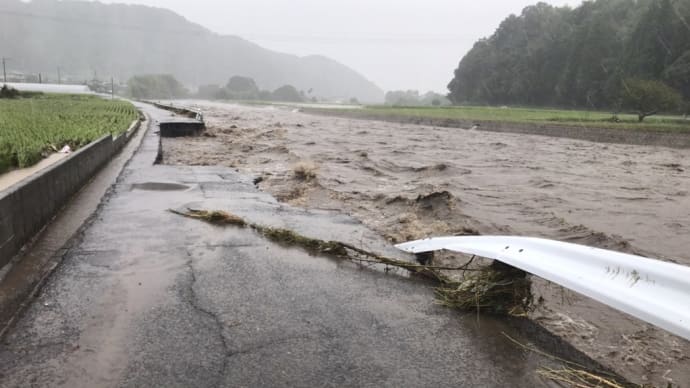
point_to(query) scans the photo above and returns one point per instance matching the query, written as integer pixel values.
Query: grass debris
(573, 374)
(496, 289)
(305, 170)
(288, 237)
(572, 377)
(216, 217)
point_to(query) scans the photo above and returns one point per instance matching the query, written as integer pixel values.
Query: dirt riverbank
(596, 132)
(409, 181)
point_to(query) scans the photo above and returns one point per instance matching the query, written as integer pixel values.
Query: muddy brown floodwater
(408, 181)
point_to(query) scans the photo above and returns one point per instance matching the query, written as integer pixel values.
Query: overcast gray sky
(398, 44)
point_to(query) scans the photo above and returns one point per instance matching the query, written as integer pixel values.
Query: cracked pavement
(144, 297)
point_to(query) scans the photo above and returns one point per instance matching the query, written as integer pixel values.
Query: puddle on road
(159, 186)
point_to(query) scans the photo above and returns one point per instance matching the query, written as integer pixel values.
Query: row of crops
(32, 128)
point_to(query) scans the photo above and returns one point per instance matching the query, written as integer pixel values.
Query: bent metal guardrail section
(655, 291)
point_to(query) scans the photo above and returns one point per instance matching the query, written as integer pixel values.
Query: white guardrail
(655, 291)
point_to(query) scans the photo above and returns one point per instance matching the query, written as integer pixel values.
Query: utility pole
(59, 78)
(40, 80)
(4, 70)
(112, 88)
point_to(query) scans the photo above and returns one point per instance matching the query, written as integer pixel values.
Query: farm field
(540, 116)
(31, 128)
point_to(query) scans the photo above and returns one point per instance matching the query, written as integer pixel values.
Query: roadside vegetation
(32, 128)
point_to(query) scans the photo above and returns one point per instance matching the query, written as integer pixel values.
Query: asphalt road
(148, 298)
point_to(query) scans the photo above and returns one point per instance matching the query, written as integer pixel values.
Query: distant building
(16, 76)
(50, 88)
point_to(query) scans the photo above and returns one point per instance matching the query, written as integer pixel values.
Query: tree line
(414, 98)
(237, 88)
(604, 54)
(245, 88)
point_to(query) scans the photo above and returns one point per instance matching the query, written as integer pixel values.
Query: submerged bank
(648, 134)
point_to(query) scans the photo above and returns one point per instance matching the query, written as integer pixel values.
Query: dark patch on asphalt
(159, 186)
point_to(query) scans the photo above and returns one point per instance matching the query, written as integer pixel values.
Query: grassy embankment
(537, 116)
(31, 128)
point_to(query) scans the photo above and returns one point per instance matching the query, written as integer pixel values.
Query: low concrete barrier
(192, 124)
(25, 208)
(190, 113)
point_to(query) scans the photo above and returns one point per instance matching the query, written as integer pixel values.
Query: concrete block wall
(25, 208)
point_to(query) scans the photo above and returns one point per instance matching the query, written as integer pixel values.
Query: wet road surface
(147, 298)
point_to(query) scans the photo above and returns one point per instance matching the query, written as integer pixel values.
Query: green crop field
(544, 116)
(31, 128)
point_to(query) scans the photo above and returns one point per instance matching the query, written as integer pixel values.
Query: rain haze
(409, 193)
(396, 44)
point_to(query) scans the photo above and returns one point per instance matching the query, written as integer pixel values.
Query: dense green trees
(647, 97)
(242, 88)
(402, 97)
(413, 98)
(155, 86)
(245, 89)
(287, 93)
(209, 92)
(578, 57)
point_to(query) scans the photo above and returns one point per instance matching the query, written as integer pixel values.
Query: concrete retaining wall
(25, 208)
(181, 127)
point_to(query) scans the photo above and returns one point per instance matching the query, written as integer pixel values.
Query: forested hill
(578, 57)
(83, 38)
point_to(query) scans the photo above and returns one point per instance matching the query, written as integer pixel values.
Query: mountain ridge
(83, 38)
